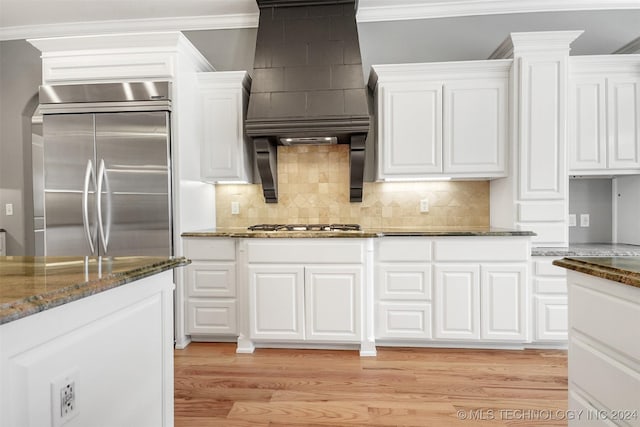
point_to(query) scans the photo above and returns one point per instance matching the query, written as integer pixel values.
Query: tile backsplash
(313, 187)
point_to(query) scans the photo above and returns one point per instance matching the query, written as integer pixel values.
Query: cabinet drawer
(547, 285)
(404, 281)
(404, 249)
(545, 267)
(211, 279)
(551, 323)
(211, 317)
(481, 249)
(306, 251)
(404, 320)
(210, 249)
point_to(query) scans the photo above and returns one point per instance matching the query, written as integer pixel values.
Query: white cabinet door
(587, 124)
(457, 301)
(410, 139)
(225, 149)
(211, 316)
(333, 303)
(551, 318)
(623, 122)
(503, 302)
(276, 302)
(475, 126)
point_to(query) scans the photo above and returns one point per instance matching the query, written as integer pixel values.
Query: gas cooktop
(305, 227)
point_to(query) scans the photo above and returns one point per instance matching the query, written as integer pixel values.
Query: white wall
(627, 197)
(593, 197)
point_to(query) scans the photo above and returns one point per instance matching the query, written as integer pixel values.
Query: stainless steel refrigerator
(107, 174)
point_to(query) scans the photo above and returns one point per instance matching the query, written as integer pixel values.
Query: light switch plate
(572, 220)
(424, 205)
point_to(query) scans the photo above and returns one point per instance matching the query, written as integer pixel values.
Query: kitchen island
(604, 341)
(86, 338)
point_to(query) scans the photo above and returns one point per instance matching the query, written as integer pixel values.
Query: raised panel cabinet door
(402, 319)
(457, 301)
(623, 120)
(276, 302)
(212, 316)
(475, 126)
(211, 279)
(587, 124)
(222, 145)
(405, 281)
(503, 302)
(333, 303)
(542, 133)
(551, 318)
(410, 137)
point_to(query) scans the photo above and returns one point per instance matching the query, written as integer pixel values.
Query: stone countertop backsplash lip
(29, 285)
(242, 232)
(621, 269)
(588, 250)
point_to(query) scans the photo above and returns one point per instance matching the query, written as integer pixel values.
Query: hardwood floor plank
(400, 387)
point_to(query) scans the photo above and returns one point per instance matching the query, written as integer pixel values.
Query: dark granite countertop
(29, 285)
(589, 250)
(366, 233)
(625, 269)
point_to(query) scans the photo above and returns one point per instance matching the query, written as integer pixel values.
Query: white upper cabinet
(410, 139)
(226, 154)
(440, 119)
(604, 115)
(475, 126)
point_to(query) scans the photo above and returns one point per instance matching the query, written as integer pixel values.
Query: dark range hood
(308, 86)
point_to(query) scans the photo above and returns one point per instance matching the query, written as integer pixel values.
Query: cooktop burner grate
(305, 227)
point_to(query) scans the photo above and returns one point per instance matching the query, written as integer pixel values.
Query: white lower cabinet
(457, 296)
(211, 291)
(307, 291)
(314, 303)
(276, 302)
(486, 302)
(462, 289)
(550, 307)
(332, 303)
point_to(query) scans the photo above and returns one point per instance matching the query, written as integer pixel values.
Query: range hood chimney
(308, 86)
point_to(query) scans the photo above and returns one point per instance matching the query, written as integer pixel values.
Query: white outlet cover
(572, 220)
(424, 205)
(584, 220)
(57, 418)
(235, 208)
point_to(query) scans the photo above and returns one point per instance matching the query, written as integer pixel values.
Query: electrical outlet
(64, 398)
(584, 220)
(8, 209)
(424, 205)
(235, 208)
(572, 220)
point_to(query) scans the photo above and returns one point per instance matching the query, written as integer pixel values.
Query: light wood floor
(400, 387)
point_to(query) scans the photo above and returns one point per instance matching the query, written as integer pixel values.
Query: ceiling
(20, 19)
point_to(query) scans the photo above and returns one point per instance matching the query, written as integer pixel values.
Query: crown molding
(535, 42)
(446, 9)
(632, 47)
(427, 10)
(211, 22)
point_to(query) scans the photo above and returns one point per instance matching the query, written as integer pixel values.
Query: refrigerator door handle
(88, 175)
(103, 181)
